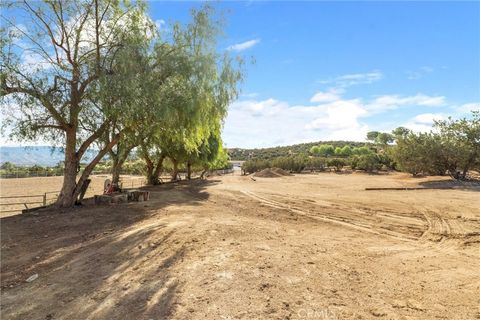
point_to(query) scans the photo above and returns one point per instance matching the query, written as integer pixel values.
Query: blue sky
(335, 70)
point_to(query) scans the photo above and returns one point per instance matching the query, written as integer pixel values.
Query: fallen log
(28, 210)
(410, 188)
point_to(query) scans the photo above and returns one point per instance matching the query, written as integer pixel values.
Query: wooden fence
(17, 203)
(9, 204)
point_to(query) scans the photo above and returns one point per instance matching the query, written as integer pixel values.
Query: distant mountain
(28, 156)
(283, 151)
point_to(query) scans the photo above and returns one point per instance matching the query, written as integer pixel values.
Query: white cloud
(270, 122)
(468, 107)
(354, 79)
(160, 23)
(253, 123)
(389, 102)
(326, 96)
(423, 122)
(427, 118)
(338, 115)
(244, 45)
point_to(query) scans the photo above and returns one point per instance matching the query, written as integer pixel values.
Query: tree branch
(91, 139)
(35, 94)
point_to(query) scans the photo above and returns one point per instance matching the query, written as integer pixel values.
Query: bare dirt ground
(296, 247)
(39, 185)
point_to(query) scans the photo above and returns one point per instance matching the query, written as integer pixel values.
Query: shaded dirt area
(295, 247)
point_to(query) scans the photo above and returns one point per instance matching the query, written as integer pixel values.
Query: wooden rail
(14, 197)
(43, 202)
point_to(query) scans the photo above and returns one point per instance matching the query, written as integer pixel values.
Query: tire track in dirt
(390, 223)
(442, 230)
(344, 221)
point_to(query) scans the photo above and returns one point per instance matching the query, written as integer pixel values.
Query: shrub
(337, 163)
(367, 162)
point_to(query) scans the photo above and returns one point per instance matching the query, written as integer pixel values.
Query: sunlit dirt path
(299, 247)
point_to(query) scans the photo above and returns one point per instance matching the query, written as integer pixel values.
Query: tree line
(99, 75)
(283, 151)
(369, 162)
(452, 147)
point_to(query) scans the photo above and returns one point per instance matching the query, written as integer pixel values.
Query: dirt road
(299, 247)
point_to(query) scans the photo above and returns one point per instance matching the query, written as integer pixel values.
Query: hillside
(28, 156)
(280, 151)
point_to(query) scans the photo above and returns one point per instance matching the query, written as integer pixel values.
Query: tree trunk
(158, 169)
(67, 197)
(469, 164)
(189, 170)
(119, 158)
(150, 177)
(72, 188)
(154, 170)
(89, 168)
(175, 170)
(116, 168)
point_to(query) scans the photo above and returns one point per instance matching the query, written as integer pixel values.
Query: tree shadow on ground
(97, 262)
(470, 185)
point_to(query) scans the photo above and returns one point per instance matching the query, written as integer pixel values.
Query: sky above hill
(335, 70)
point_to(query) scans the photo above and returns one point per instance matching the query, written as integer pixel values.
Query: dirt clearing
(295, 247)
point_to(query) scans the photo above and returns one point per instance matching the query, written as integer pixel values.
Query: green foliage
(293, 164)
(7, 166)
(346, 151)
(252, 166)
(368, 162)
(453, 148)
(362, 151)
(460, 140)
(412, 152)
(316, 164)
(326, 150)
(381, 138)
(135, 167)
(315, 150)
(285, 151)
(372, 135)
(384, 138)
(337, 163)
(196, 97)
(400, 132)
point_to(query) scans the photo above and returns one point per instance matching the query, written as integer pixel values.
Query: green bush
(316, 164)
(338, 164)
(367, 162)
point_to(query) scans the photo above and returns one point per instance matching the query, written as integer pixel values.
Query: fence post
(45, 199)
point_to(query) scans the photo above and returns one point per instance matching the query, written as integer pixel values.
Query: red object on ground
(109, 189)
